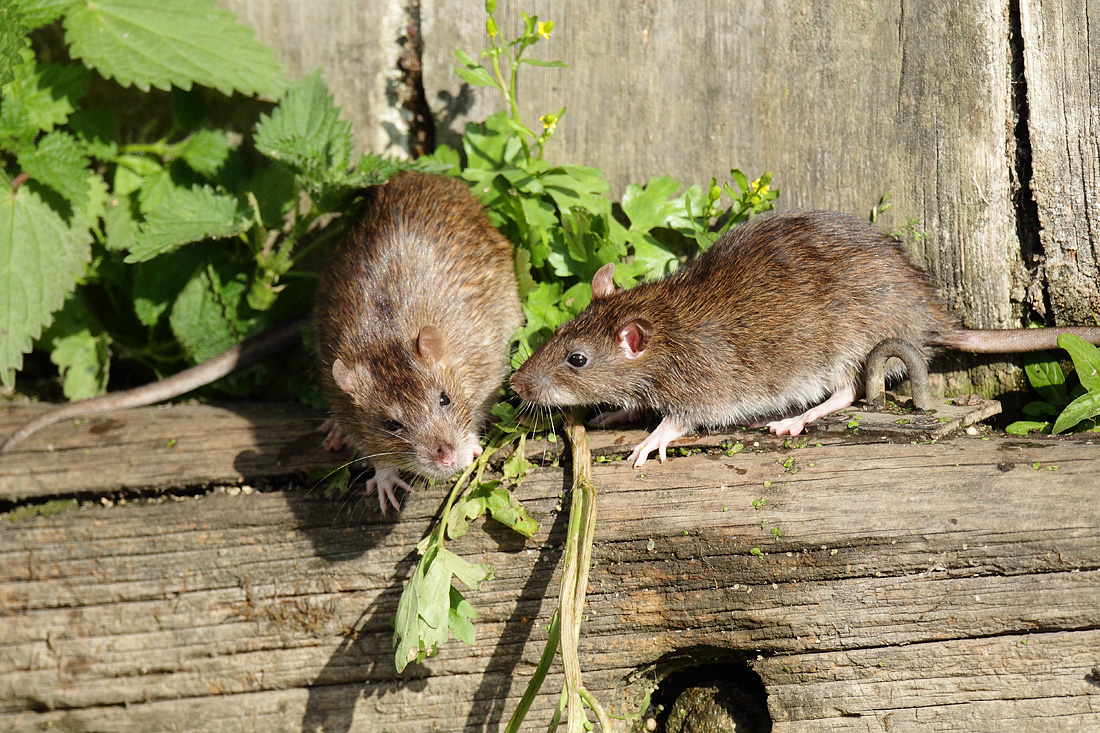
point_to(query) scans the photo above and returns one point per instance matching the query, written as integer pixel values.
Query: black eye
(444, 400)
(393, 426)
(577, 359)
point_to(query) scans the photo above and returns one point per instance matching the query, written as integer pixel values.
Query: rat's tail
(1011, 340)
(247, 352)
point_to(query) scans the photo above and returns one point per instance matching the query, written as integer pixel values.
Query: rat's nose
(521, 383)
(446, 455)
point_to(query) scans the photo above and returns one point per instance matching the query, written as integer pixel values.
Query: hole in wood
(718, 698)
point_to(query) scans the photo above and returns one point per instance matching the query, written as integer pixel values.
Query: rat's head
(403, 406)
(599, 356)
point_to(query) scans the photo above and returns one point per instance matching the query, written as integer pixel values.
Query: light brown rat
(776, 318)
(412, 320)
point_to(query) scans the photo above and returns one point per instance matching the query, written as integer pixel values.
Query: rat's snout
(525, 385)
(446, 455)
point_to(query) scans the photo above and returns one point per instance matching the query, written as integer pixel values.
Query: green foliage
(1062, 407)
(162, 226)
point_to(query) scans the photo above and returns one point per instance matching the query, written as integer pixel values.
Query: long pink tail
(1012, 340)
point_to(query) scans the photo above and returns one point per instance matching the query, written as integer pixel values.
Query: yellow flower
(545, 28)
(757, 188)
(549, 122)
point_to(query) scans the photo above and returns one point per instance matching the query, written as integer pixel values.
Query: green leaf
(165, 43)
(204, 317)
(82, 353)
(120, 230)
(475, 76)
(536, 62)
(37, 13)
(185, 215)
(159, 282)
(1040, 409)
(1086, 360)
(1023, 427)
(1046, 377)
(506, 509)
(13, 39)
(306, 134)
(205, 151)
(653, 205)
(58, 161)
(1083, 408)
(41, 258)
(40, 97)
(460, 618)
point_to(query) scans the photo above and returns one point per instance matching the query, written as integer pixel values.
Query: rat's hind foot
(385, 480)
(840, 399)
(624, 416)
(668, 431)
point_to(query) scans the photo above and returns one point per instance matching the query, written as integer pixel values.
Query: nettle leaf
(41, 258)
(13, 39)
(306, 133)
(204, 317)
(184, 215)
(159, 282)
(80, 349)
(206, 151)
(166, 43)
(58, 161)
(37, 13)
(40, 96)
(1086, 360)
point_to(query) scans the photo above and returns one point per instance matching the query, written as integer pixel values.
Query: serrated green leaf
(165, 43)
(205, 151)
(1086, 360)
(204, 317)
(184, 215)
(59, 162)
(159, 282)
(1083, 408)
(487, 145)
(653, 205)
(37, 13)
(80, 349)
(506, 509)
(120, 230)
(40, 96)
(373, 169)
(13, 39)
(41, 258)
(305, 132)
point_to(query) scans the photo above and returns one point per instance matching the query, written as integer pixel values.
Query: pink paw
(334, 438)
(385, 481)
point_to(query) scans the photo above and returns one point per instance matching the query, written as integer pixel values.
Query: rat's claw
(668, 431)
(385, 480)
(334, 438)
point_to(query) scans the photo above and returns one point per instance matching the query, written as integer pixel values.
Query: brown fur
(778, 314)
(422, 254)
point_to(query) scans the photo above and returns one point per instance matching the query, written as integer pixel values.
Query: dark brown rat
(777, 316)
(412, 320)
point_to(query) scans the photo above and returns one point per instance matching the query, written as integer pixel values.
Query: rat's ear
(634, 337)
(429, 344)
(602, 285)
(345, 378)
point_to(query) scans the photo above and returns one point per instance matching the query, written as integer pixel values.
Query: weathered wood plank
(273, 608)
(1061, 56)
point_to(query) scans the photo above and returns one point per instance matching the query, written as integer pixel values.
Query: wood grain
(948, 586)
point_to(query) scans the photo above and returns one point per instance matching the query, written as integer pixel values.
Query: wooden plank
(272, 608)
(1061, 43)
(354, 43)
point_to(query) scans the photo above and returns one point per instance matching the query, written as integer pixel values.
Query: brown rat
(777, 316)
(412, 320)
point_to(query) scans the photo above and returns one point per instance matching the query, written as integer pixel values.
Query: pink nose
(446, 456)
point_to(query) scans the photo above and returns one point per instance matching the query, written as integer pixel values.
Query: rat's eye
(393, 426)
(444, 400)
(577, 359)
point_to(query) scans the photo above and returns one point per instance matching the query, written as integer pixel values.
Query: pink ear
(344, 377)
(602, 284)
(634, 337)
(429, 343)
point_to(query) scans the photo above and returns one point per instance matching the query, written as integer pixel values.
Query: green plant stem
(535, 684)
